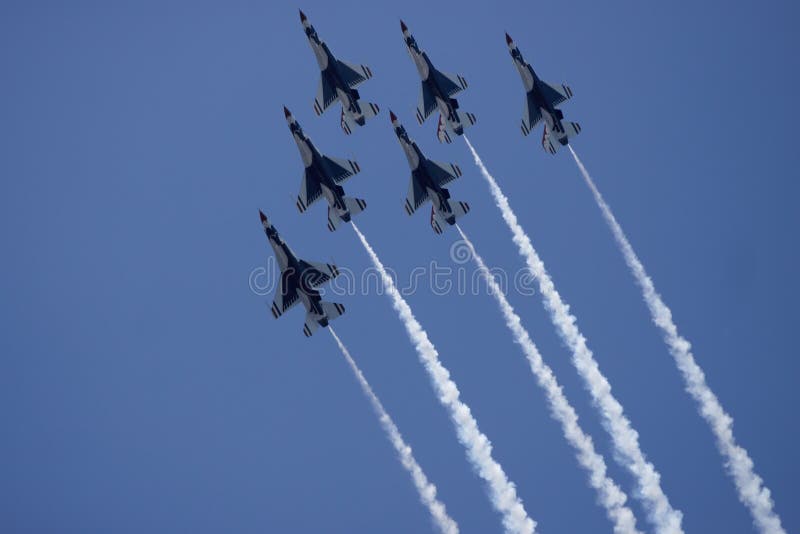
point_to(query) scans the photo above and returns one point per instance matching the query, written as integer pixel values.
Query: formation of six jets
(324, 175)
(300, 281)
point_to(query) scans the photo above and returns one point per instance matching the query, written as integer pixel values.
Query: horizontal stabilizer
(467, 119)
(310, 326)
(332, 309)
(348, 124)
(369, 109)
(445, 130)
(354, 206)
(438, 220)
(571, 129)
(334, 221)
(442, 132)
(552, 141)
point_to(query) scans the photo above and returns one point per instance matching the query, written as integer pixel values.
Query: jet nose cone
(303, 17)
(262, 216)
(286, 112)
(392, 116)
(403, 26)
(509, 40)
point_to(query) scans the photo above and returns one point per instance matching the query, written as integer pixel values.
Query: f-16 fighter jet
(299, 282)
(338, 82)
(438, 89)
(428, 179)
(323, 176)
(541, 101)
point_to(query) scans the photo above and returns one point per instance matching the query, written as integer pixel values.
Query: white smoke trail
(752, 492)
(666, 519)
(426, 489)
(503, 492)
(612, 498)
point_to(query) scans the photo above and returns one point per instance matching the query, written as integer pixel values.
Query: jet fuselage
(536, 99)
(446, 105)
(329, 69)
(419, 172)
(293, 273)
(333, 192)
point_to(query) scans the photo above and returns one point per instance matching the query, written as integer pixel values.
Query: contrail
(666, 519)
(503, 492)
(752, 491)
(611, 496)
(426, 489)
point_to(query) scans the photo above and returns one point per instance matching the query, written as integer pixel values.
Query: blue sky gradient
(145, 388)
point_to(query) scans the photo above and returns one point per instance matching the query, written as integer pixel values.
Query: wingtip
(303, 17)
(509, 40)
(403, 26)
(262, 216)
(286, 112)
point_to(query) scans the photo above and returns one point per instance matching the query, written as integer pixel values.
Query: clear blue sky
(145, 388)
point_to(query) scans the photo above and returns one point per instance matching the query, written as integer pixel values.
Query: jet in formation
(540, 102)
(338, 82)
(299, 281)
(323, 178)
(438, 89)
(428, 179)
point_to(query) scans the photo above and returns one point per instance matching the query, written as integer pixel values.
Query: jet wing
(310, 190)
(318, 273)
(286, 296)
(531, 116)
(443, 173)
(326, 95)
(450, 84)
(555, 94)
(353, 75)
(341, 169)
(427, 104)
(416, 197)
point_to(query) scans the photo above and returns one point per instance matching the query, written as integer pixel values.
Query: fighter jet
(438, 89)
(338, 81)
(323, 176)
(541, 101)
(299, 282)
(428, 179)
